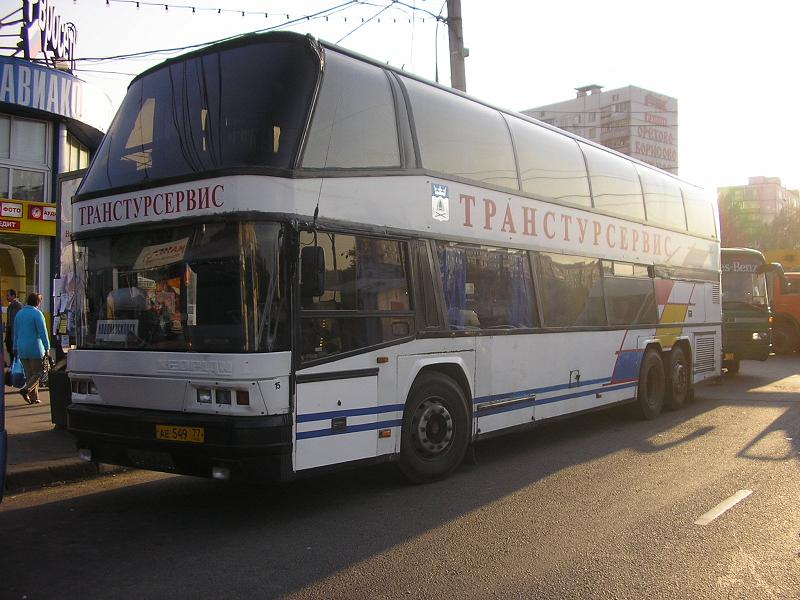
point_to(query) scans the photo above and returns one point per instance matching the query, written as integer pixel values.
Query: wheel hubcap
(680, 378)
(433, 428)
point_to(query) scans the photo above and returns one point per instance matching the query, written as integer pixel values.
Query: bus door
(504, 382)
(336, 417)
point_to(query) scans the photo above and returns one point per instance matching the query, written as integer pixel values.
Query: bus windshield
(741, 283)
(209, 112)
(214, 287)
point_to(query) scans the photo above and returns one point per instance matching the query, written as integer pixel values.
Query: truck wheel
(435, 433)
(784, 339)
(650, 392)
(678, 380)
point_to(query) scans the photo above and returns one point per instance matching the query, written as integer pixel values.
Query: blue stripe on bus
(305, 435)
(543, 390)
(351, 412)
(522, 405)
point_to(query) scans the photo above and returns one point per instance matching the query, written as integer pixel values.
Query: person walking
(14, 306)
(31, 345)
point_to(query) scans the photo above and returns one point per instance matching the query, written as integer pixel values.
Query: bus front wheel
(678, 380)
(650, 393)
(435, 431)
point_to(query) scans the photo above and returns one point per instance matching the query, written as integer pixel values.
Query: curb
(55, 472)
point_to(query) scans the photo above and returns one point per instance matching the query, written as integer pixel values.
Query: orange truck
(786, 313)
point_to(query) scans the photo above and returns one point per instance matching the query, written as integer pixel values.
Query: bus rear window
(240, 106)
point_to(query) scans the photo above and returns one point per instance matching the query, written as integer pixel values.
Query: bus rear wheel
(435, 432)
(678, 380)
(650, 392)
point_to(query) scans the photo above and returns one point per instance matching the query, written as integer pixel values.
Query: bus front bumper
(245, 448)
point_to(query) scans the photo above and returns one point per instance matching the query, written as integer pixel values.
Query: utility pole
(458, 77)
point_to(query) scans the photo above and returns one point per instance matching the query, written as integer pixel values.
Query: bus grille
(715, 293)
(704, 353)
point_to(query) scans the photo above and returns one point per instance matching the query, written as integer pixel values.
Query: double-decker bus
(290, 257)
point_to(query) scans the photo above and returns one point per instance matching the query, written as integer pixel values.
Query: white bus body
(209, 413)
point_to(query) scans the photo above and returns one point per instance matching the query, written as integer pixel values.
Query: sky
(732, 65)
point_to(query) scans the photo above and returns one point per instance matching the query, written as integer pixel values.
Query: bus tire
(678, 380)
(650, 391)
(435, 432)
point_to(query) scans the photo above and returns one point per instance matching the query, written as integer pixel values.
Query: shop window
(4, 183)
(28, 185)
(486, 288)
(5, 137)
(77, 154)
(28, 141)
(366, 300)
(571, 290)
(23, 146)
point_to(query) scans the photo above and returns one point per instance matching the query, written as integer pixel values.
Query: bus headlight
(759, 335)
(204, 395)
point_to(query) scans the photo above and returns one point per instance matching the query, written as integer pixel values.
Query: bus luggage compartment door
(336, 418)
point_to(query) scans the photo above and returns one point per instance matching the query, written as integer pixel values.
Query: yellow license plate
(175, 433)
(728, 356)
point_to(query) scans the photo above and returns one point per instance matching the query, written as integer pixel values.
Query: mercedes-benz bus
(292, 258)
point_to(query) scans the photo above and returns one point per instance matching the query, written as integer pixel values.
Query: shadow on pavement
(199, 538)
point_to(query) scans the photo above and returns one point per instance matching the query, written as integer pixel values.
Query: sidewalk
(38, 453)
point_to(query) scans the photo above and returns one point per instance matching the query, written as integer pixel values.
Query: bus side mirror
(774, 267)
(312, 271)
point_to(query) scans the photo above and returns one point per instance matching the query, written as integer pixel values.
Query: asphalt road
(599, 506)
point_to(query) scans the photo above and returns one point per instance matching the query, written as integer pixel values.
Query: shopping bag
(17, 374)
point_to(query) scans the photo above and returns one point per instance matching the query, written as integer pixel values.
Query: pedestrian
(14, 306)
(31, 346)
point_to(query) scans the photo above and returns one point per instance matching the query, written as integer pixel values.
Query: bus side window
(366, 300)
(571, 290)
(486, 288)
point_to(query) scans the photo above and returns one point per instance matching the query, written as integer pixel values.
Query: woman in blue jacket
(31, 345)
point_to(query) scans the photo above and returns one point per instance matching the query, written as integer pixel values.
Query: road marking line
(722, 507)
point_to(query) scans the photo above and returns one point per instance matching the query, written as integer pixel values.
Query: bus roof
(743, 251)
(318, 45)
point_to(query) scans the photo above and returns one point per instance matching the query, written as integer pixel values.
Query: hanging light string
(409, 11)
(326, 14)
(260, 13)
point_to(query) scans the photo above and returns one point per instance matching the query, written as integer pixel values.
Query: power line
(326, 13)
(376, 15)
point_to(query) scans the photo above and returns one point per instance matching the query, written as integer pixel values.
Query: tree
(784, 231)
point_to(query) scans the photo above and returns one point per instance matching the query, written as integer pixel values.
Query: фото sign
(45, 32)
(22, 216)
